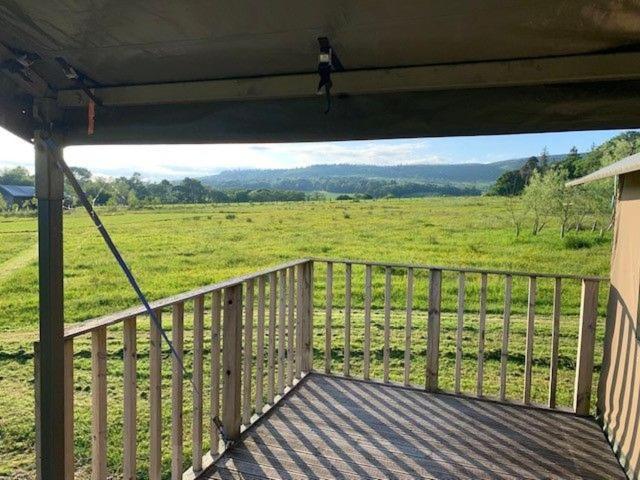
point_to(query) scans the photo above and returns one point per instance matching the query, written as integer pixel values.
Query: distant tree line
(373, 187)
(135, 192)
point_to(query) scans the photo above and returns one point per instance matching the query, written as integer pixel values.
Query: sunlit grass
(179, 248)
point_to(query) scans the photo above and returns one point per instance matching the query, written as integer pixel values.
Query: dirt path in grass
(21, 260)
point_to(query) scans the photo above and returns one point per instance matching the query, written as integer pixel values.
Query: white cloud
(15, 152)
(177, 161)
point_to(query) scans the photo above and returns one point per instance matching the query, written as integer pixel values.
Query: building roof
(246, 71)
(18, 191)
(626, 165)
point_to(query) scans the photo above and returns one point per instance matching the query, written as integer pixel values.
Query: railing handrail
(489, 271)
(92, 324)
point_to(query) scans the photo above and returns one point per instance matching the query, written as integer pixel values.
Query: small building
(17, 194)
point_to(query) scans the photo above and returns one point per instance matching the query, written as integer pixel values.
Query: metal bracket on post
(49, 192)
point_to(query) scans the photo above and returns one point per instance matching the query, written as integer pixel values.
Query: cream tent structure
(105, 72)
(619, 388)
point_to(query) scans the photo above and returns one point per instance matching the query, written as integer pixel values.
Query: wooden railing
(281, 311)
(261, 342)
(458, 280)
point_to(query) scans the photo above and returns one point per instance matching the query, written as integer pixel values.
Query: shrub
(229, 216)
(574, 242)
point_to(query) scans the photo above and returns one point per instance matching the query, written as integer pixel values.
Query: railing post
(433, 330)
(99, 404)
(586, 344)
(232, 361)
(155, 399)
(198, 353)
(177, 391)
(129, 399)
(69, 461)
(305, 315)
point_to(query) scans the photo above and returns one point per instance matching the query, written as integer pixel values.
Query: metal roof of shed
(626, 165)
(19, 191)
(245, 71)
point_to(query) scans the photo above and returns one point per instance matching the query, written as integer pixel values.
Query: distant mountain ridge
(480, 174)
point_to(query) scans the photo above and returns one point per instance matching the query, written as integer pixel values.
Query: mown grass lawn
(174, 249)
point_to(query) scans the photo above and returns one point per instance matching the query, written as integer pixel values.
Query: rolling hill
(315, 177)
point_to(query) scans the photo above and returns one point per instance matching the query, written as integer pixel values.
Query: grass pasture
(178, 248)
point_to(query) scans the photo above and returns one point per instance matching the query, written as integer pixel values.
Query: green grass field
(175, 249)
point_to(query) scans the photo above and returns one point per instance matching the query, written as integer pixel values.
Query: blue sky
(177, 161)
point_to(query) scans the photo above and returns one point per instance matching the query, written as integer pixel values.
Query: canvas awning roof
(245, 71)
(626, 165)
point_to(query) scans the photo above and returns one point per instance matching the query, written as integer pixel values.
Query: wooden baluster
(367, 322)
(504, 353)
(408, 328)
(232, 361)
(299, 319)
(260, 348)
(99, 404)
(387, 323)
(308, 332)
(433, 330)
(305, 316)
(198, 354)
(555, 340)
(177, 394)
(291, 330)
(482, 329)
(282, 317)
(328, 319)
(129, 355)
(459, 331)
(271, 370)
(155, 400)
(528, 357)
(69, 462)
(347, 320)
(216, 298)
(248, 355)
(586, 344)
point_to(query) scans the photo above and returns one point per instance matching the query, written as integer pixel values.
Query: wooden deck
(337, 428)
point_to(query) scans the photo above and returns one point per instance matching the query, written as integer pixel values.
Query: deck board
(337, 428)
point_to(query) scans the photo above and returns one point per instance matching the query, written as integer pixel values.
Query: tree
(3, 204)
(83, 175)
(508, 184)
(16, 176)
(571, 163)
(517, 213)
(596, 200)
(544, 159)
(191, 190)
(538, 199)
(564, 200)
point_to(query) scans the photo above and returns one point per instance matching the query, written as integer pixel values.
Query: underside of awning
(246, 71)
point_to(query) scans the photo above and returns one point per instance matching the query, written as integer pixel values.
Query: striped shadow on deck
(337, 428)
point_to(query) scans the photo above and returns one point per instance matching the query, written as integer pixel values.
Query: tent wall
(619, 390)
